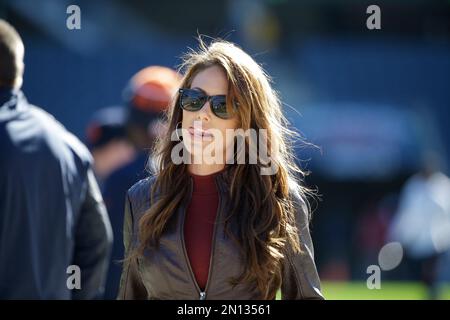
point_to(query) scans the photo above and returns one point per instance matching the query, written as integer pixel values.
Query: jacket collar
(11, 98)
(225, 174)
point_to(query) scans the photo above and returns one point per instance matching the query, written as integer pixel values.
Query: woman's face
(203, 129)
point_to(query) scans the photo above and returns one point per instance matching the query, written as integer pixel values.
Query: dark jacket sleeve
(300, 277)
(93, 241)
(131, 286)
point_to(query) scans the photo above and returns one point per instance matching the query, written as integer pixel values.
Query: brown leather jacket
(165, 273)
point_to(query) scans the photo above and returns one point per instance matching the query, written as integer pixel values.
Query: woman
(206, 225)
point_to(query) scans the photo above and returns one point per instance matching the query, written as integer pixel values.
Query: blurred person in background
(147, 96)
(106, 139)
(422, 221)
(52, 214)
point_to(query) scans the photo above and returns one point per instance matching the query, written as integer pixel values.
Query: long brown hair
(268, 224)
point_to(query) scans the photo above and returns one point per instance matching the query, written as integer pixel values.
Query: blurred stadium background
(373, 101)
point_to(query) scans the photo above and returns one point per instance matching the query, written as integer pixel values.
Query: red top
(199, 225)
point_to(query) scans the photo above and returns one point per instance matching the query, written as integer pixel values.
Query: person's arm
(131, 286)
(93, 241)
(300, 278)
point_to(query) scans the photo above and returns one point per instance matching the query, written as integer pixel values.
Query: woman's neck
(205, 169)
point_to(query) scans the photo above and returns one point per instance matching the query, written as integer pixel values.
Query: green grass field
(388, 291)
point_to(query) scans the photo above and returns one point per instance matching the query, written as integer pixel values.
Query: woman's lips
(200, 134)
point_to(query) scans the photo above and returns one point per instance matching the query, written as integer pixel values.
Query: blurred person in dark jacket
(147, 96)
(52, 215)
(107, 140)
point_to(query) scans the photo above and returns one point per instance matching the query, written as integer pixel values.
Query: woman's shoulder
(301, 205)
(139, 194)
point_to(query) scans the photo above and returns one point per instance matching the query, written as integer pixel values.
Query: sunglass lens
(219, 105)
(192, 100)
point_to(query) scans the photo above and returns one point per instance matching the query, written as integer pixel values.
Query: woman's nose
(204, 112)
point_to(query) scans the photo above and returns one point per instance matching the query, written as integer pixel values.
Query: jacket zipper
(202, 294)
(213, 243)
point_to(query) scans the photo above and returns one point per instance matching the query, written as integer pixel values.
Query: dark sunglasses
(194, 100)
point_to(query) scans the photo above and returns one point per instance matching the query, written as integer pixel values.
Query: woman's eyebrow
(199, 89)
(204, 92)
